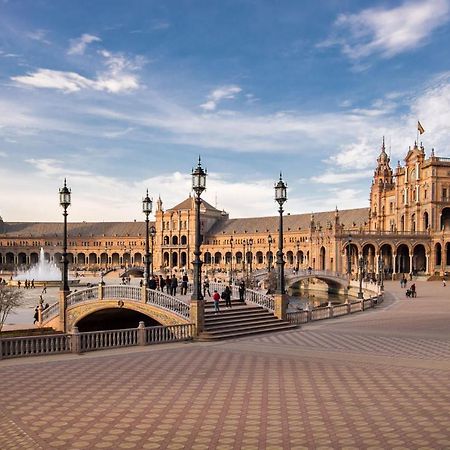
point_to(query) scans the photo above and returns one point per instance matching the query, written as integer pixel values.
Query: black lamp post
(152, 241)
(280, 197)
(297, 243)
(231, 259)
(270, 240)
(244, 258)
(349, 256)
(64, 201)
(381, 270)
(250, 245)
(361, 270)
(147, 209)
(198, 185)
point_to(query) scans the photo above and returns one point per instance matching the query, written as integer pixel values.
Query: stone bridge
(336, 281)
(164, 308)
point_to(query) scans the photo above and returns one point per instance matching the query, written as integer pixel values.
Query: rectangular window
(444, 193)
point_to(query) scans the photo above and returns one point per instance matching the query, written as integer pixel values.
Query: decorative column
(427, 262)
(394, 265)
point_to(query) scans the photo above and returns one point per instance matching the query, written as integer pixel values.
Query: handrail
(34, 345)
(260, 299)
(50, 312)
(120, 291)
(84, 295)
(169, 303)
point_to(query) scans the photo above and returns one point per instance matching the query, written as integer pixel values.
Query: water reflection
(314, 299)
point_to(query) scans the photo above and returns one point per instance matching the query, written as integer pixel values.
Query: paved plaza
(378, 379)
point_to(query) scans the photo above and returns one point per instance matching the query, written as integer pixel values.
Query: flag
(420, 128)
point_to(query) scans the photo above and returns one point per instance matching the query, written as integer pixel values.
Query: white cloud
(388, 31)
(38, 35)
(219, 94)
(118, 77)
(3, 154)
(357, 155)
(340, 177)
(78, 46)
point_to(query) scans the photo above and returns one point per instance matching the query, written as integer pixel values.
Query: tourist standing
(216, 299)
(206, 288)
(413, 290)
(444, 283)
(173, 285)
(226, 295)
(184, 284)
(162, 283)
(152, 283)
(242, 291)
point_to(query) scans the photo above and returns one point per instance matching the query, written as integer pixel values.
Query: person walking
(413, 290)
(226, 295)
(36, 314)
(184, 284)
(168, 284)
(162, 283)
(444, 283)
(242, 291)
(173, 285)
(152, 283)
(216, 299)
(206, 288)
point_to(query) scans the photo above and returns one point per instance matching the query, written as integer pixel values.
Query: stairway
(240, 320)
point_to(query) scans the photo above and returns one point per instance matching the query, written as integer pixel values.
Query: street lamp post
(198, 185)
(297, 243)
(361, 269)
(231, 260)
(147, 209)
(244, 259)
(250, 243)
(270, 240)
(349, 260)
(280, 197)
(64, 201)
(381, 270)
(152, 241)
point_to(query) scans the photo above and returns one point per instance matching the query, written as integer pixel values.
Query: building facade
(405, 229)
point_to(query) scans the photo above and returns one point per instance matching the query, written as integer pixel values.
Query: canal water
(314, 299)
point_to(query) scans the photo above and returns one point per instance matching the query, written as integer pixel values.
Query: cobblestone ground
(373, 380)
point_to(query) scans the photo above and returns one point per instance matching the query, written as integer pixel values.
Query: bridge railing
(119, 291)
(260, 299)
(76, 342)
(316, 273)
(84, 295)
(169, 303)
(328, 312)
(50, 312)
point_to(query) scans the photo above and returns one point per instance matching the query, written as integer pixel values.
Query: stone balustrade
(168, 302)
(260, 299)
(77, 342)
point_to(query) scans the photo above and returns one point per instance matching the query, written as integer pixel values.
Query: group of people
(169, 284)
(225, 295)
(27, 284)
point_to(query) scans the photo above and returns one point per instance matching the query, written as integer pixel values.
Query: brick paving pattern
(348, 383)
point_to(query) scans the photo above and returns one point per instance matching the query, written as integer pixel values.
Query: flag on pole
(420, 128)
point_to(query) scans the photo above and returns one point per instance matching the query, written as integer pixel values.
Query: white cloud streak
(388, 31)
(78, 45)
(219, 94)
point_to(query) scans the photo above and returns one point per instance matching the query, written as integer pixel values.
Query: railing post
(349, 306)
(280, 306)
(141, 333)
(62, 311)
(100, 290)
(197, 315)
(75, 340)
(330, 310)
(144, 294)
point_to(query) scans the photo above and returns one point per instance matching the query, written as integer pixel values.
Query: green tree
(10, 298)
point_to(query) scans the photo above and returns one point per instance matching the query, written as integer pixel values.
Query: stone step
(220, 318)
(248, 323)
(282, 326)
(210, 312)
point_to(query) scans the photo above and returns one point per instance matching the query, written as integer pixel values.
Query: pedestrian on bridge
(184, 284)
(226, 295)
(242, 291)
(173, 285)
(168, 284)
(162, 283)
(216, 299)
(206, 288)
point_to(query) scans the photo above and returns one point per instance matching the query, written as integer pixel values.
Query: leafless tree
(10, 298)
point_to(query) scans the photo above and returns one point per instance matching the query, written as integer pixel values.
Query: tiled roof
(350, 218)
(189, 204)
(77, 229)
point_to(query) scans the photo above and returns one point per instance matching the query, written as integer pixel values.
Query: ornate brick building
(407, 227)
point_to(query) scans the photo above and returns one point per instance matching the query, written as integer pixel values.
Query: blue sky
(122, 96)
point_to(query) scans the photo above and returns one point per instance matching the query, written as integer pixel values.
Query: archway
(445, 219)
(403, 265)
(104, 259)
(166, 259)
(174, 259)
(174, 240)
(259, 258)
(386, 257)
(425, 221)
(21, 258)
(217, 258)
(419, 259)
(183, 240)
(438, 254)
(368, 253)
(9, 258)
(290, 258)
(115, 259)
(322, 258)
(351, 258)
(183, 259)
(126, 259)
(114, 319)
(57, 258)
(227, 257)
(137, 258)
(34, 258)
(92, 259)
(166, 240)
(207, 258)
(447, 253)
(238, 257)
(81, 258)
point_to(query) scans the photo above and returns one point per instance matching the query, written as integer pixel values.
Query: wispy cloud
(38, 35)
(341, 177)
(219, 94)
(118, 77)
(78, 45)
(388, 31)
